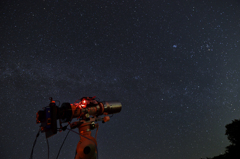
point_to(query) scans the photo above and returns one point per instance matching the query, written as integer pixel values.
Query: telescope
(87, 111)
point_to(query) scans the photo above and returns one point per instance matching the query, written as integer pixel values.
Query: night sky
(174, 66)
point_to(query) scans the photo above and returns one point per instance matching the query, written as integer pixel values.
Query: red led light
(84, 103)
(84, 106)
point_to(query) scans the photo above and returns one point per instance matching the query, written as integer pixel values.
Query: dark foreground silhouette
(233, 133)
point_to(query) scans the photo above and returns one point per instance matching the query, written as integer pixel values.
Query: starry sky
(173, 64)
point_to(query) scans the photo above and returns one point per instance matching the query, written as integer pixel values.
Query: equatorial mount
(88, 111)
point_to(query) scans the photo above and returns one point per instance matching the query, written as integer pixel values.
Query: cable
(34, 143)
(62, 144)
(48, 147)
(86, 138)
(76, 101)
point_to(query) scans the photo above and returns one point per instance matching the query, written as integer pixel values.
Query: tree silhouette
(233, 150)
